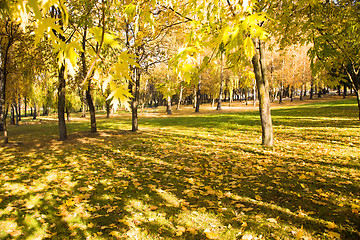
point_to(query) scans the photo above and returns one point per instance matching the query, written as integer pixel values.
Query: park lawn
(193, 176)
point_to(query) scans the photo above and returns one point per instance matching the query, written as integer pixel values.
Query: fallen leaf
(331, 225)
(211, 235)
(334, 234)
(180, 230)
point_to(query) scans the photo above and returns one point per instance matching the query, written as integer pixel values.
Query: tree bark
(25, 106)
(34, 113)
(107, 106)
(61, 104)
(19, 108)
(345, 90)
(90, 103)
(168, 106)
(180, 97)
(259, 66)
(218, 107)
(135, 101)
(198, 97)
(312, 88)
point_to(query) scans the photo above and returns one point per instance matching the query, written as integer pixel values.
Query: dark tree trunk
(339, 90)
(194, 96)
(25, 106)
(3, 78)
(281, 93)
(218, 107)
(107, 106)
(90, 103)
(19, 108)
(67, 114)
(259, 65)
(312, 88)
(198, 97)
(31, 111)
(61, 104)
(345, 90)
(358, 100)
(34, 113)
(135, 101)
(301, 92)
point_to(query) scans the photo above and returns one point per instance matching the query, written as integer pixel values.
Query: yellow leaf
(302, 177)
(331, 225)
(334, 234)
(257, 197)
(244, 224)
(211, 235)
(299, 234)
(249, 47)
(180, 230)
(90, 225)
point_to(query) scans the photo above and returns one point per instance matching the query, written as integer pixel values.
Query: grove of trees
(80, 55)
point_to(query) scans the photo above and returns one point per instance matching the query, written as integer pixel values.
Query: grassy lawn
(188, 176)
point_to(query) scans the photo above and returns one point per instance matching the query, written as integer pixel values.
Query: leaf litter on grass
(181, 179)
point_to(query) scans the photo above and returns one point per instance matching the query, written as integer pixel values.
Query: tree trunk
(3, 79)
(67, 114)
(25, 106)
(180, 97)
(358, 100)
(12, 115)
(195, 97)
(61, 104)
(135, 101)
(107, 106)
(221, 82)
(292, 93)
(281, 93)
(17, 114)
(6, 137)
(34, 112)
(345, 90)
(19, 108)
(90, 103)
(259, 66)
(301, 92)
(312, 88)
(246, 96)
(168, 105)
(83, 100)
(198, 97)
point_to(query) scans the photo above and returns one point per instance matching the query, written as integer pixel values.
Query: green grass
(186, 177)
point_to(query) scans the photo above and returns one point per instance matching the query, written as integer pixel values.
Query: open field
(187, 176)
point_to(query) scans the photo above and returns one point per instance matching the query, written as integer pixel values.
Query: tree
(9, 35)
